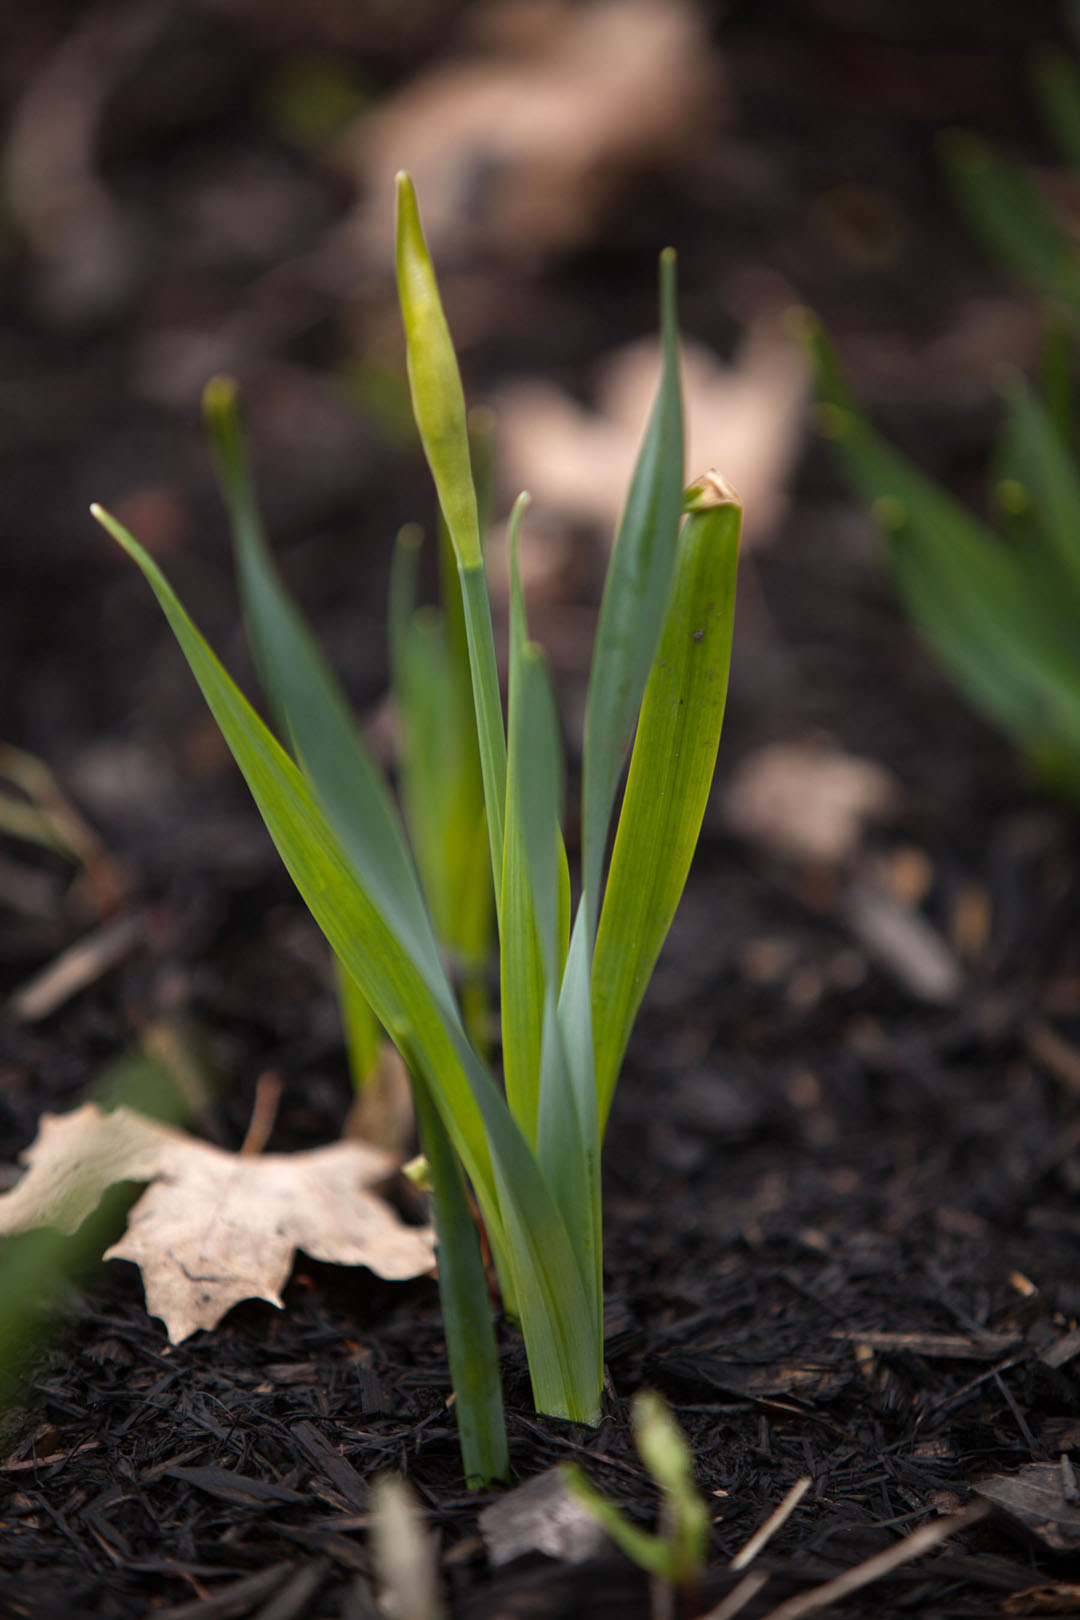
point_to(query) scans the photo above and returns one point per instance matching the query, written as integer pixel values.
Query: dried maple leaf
(746, 418)
(807, 801)
(214, 1228)
(516, 147)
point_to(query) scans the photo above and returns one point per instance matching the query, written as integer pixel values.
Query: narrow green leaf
(429, 761)
(671, 772)
(634, 602)
(312, 710)
(664, 1450)
(647, 1551)
(471, 929)
(968, 593)
(1054, 482)
(439, 407)
(368, 939)
(363, 1036)
(521, 963)
(576, 1053)
(435, 381)
(556, 1098)
(470, 1334)
(489, 717)
(1057, 88)
(439, 767)
(631, 617)
(557, 1318)
(401, 606)
(1056, 373)
(567, 1145)
(1004, 208)
(970, 598)
(677, 1555)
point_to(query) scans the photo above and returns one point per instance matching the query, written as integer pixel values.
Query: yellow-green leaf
(670, 776)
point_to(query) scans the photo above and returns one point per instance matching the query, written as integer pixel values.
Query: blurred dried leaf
(746, 418)
(87, 258)
(540, 1516)
(806, 801)
(213, 1228)
(1039, 1503)
(515, 150)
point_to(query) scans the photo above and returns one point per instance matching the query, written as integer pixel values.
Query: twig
(738, 1597)
(27, 1464)
(51, 819)
(772, 1524)
(77, 968)
(268, 1089)
(1057, 1055)
(883, 1563)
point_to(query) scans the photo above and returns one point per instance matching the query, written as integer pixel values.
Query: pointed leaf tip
(408, 210)
(669, 283)
(710, 491)
(220, 395)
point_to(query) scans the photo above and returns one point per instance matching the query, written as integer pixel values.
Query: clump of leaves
(998, 602)
(998, 605)
(529, 1152)
(1014, 216)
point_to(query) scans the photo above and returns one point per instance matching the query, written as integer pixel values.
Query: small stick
(1054, 1052)
(75, 969)
(61, 826)
(268, 1089)
(739, 1596)
(772, 1524)
(883, 1563)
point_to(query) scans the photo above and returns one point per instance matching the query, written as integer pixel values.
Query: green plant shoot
(998, 609)
(676, 1554)
(527, 1151)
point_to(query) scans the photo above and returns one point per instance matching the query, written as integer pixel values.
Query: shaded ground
(803, 1155)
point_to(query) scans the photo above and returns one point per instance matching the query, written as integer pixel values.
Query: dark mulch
(842, 1230)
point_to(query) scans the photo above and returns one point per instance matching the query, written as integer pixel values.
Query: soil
(842, 1235)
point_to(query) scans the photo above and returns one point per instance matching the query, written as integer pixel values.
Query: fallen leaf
(1040, 1503)
(516, 145)
(214, 1228)
(540, 1516)
(746, 418)
(85, 246)
(806, 801)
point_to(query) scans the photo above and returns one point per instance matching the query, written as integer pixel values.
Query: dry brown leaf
(1039, 1503)
(747, 418)
(214, 1228)
(541, 1515)
(515, 147)
(807, 801)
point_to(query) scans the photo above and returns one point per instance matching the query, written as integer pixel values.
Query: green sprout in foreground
(528, 1152)
(676, 1554)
